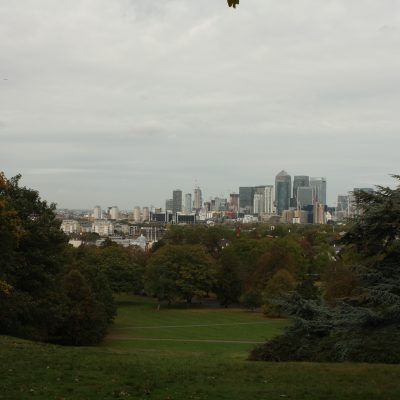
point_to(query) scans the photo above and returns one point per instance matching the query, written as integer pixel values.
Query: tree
(36, 300)
(31, 261)
(118, 264)
(229, 286)
(84, 320)
(281, 283)
(180, 272)
(232, 3)
(363, 325)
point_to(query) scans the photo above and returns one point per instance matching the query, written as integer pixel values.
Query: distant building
(103, 227)
(176, 201)
(319, 186)
(305, 196)
(299, 181)
(319, 213)
(283, 186)
(161, 217)
(188, 203)
(169, 205)
(97, 213)
(198, 199)
(246, 199)
(234, 202)
(70, 226)
(137, 214)
(146, 214)
(220, 204)
(259, 203)
(114, 213)
(269, 198)
(343, 207)
(180, 218)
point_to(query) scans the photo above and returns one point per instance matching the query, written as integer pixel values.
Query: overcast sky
(120, 102)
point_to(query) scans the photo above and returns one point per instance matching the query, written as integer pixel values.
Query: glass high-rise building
(305, 196)
(283, 189)
(246, 199)
(176, 201)
(319, 185)
(299, 181)
(188, 203)
(198, 200)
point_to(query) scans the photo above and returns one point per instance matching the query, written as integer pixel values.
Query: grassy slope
(182, 369)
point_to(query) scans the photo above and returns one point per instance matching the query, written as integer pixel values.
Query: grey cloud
(150, 96)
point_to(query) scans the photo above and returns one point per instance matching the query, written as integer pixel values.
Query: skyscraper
(188, 203)
(246, 198)
(299, 181)
(198, 200)
(176, 201)
(259, 203)
(319, 185)
(283, 188)
(269, 198)
(305, 196)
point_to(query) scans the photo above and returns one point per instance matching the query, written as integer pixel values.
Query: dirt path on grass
(188, 326)
(121, 337)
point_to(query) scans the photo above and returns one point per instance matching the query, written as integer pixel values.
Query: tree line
(50, 291)
(340, 286)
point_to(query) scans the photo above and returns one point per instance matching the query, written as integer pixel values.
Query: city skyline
(120, 102)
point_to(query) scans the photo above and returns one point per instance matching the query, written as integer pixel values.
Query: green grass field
(179, 353)
(198, 330)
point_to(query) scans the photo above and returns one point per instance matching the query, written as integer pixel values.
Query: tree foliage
(38, 298)
(233, 3)
(363, 321)
(180, 272)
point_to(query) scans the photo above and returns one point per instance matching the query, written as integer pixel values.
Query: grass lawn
(195, 353)
(200, 330)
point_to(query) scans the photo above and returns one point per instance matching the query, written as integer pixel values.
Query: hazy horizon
(121, 102)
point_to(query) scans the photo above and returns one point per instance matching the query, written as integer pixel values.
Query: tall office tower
(319, 185)
(342, 203)
(97, 214)
(260, 199)
(283, 189)
(198, 200)
(137, 214)
(305, 196)
(343, 207)
(246, 198)
(234, 202)
(259, 203)
(169, 204)
(188, 203)
(114, 213)
(269, 198)
(299, 181)
(176, 201)
(146, 214)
